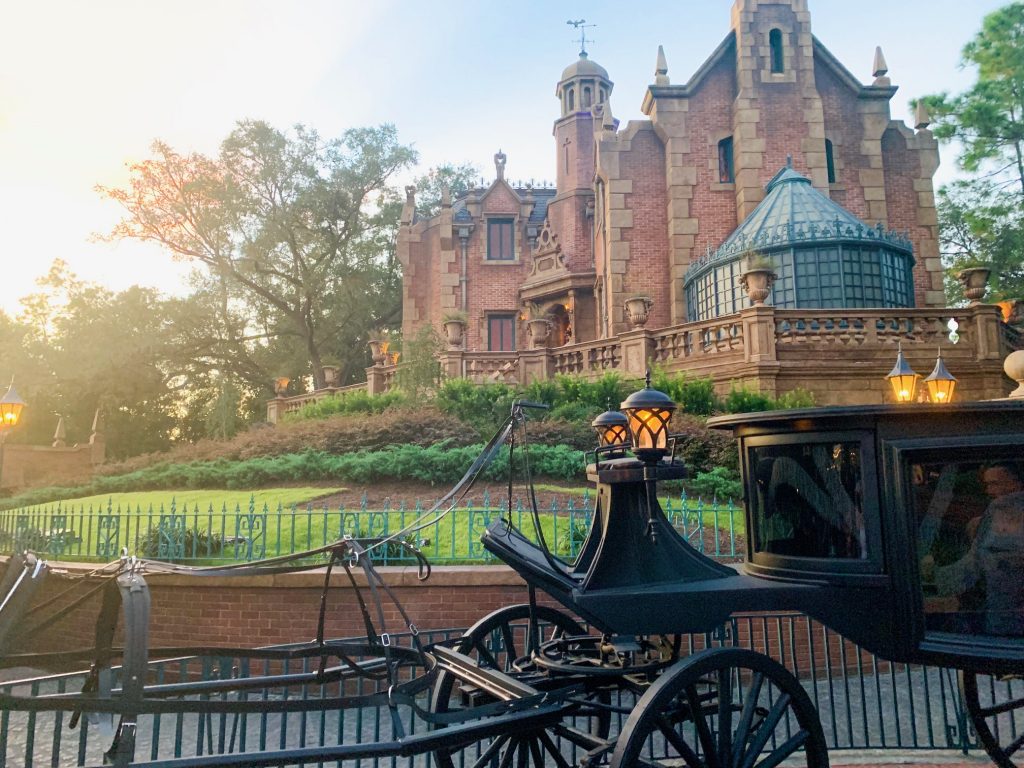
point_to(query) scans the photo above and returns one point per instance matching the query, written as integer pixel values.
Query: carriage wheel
(996, 707)
(494, 642)
(720, 708)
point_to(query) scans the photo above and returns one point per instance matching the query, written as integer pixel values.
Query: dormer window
(500, 240)
(776, 52)
(725, 170)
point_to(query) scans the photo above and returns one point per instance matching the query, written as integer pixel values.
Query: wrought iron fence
(191, 534)
(863, 702)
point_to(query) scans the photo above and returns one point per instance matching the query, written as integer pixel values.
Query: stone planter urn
(455, 331)
(540, 329)
(638, 310)
(757, 282)
(378, 350)
(975, 281)
(331, 375)
(1014, 367)
(281, 386)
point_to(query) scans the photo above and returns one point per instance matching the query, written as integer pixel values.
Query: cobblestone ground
(911, 711)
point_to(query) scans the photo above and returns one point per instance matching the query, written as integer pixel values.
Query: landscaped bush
(190, 542)
(720, 483)
(743, 400)
(695, 396)
(348, 403)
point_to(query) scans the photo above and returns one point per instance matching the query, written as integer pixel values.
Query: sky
(86, 87)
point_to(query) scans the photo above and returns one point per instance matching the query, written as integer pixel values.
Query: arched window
(571, 100)
(775, 46)
(830, 162)
(725, 173)
(586, 97)
(601, 96)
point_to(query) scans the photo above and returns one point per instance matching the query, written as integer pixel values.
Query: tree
(979, 223)
(282, 225)
(988, 118)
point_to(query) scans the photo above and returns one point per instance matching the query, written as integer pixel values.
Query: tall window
(499, 240)
(572, 99)
(830, 162)
(586, 97)
(725, 173)
(501, 333)
(775, 46)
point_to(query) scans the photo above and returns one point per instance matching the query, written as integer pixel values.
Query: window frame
(726, 160)
(776, 52)
(845, 570)
(511, 317)
(495, 222)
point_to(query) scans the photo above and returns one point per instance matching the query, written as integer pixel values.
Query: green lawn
(192, 498)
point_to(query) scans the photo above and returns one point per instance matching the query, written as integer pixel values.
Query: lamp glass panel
(903, 387)
(649, 428)
(614, 435)
(941, 390)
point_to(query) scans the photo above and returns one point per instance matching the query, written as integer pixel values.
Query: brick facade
(635, 205)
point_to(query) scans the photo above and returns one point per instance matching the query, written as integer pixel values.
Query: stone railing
(872, 328)
(590, 357)
(490, 367)
(772, 350)
(279, 406)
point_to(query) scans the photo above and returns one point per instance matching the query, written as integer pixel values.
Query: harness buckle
(385, 640)
(413, 630)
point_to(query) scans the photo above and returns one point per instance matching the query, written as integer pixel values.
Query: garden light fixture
(940, 382)
(903, 379)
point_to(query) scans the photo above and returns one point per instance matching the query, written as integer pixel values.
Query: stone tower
(582, 89)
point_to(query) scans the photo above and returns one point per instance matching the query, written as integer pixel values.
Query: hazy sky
(85, 87)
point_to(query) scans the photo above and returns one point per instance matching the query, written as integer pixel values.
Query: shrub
(720, 483)
(743, 400)
(796, 398)
(695, 396)
(191, 542)
(703, 449)
(347, 403)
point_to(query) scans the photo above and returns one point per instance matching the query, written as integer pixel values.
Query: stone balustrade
(840, 355)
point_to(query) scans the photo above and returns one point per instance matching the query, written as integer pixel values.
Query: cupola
(584, 83)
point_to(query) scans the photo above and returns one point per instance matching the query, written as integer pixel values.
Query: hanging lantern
(612, 428)
(903, 379)
(940, 382)
(649, 412)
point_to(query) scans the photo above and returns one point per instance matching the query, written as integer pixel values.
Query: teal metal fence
(863, 703)
(193, 534)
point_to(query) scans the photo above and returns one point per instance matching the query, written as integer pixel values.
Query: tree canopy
(980, 218)
(282, 225)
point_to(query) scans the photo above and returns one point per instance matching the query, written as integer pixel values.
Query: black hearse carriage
(872, 519)
(898, 526)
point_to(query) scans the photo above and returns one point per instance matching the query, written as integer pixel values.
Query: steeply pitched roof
(541, 196)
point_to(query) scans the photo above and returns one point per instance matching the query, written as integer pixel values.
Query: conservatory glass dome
(822, 254)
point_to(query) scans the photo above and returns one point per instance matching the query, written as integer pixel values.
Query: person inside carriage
(980, 590)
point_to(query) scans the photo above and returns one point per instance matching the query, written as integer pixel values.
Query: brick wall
(263, 610)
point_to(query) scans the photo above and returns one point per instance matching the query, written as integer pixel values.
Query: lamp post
(649, 412)
(10, 414)
(903, 379)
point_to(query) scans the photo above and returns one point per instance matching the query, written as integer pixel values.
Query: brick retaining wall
(282, 608)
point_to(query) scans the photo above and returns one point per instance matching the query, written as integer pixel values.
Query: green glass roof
(795, 214)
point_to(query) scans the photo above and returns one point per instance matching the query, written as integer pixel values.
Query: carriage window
(969, 517)
(808, 500)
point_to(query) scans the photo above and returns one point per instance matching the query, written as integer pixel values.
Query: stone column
(637, 351)
(452, 364)
(375, 381)
(535, 365)
(275, 409)
(758, 334)
(988, 339)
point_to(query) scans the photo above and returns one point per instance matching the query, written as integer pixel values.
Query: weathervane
(581, 26)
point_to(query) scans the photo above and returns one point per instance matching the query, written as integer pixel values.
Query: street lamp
(10, 414)
(903, 379)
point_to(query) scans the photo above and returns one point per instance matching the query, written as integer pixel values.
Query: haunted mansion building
(771, 154)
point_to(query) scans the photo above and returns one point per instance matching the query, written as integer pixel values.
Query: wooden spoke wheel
(722, 708)
(502, 640)
(996, 707)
